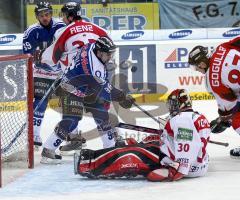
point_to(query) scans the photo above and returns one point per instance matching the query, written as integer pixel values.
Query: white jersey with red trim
(69, 39)
(223, 75)
(185, 139)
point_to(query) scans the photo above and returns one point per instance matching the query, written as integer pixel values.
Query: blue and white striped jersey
(38, 36)
(89, 75)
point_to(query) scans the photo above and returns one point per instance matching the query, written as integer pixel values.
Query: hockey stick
(157, 131)
(150, 115)
(52, 88)
(163, 122)
(139, 128)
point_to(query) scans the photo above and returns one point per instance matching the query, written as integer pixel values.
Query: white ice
(59, 182)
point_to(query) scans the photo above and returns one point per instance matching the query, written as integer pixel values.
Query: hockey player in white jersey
(67, 41)
(35, 40)
(185, 139)
(182, 152)
(87, 80)
(222, 74)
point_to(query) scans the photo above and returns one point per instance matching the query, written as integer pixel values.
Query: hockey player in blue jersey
(87, 78)
(35, 40)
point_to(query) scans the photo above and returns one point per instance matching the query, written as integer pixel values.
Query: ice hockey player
(182, 149)
(222, 76)
(88, 80)
(35, 40)
(67, 42)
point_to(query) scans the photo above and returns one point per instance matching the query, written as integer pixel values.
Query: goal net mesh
(16, 109)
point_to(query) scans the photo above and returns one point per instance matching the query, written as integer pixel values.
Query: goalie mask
(178, 101)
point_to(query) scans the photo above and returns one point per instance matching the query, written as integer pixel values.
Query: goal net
(16, 114)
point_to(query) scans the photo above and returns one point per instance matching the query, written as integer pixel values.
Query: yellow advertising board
(129, 16)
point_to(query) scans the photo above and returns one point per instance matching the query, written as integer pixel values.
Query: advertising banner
(11, 39)
(114, 16)
(227, 33)
(180, 34)
(131, 35)
(12, 77)
(136, 68)
(194, 14)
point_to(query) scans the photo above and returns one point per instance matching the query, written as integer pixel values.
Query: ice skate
(235, 153)
(50, 157)
(37, 140)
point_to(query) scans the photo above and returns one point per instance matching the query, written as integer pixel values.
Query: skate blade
(50, 161)
(67, 153)
(235, 157)
(76, 159)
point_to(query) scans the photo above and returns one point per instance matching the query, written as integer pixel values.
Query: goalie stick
(157, 131)
(163, 122)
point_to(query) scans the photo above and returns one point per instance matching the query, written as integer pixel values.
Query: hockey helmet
(197, 54)
(105, 44)
(72, 9)
(178, 101)
(42, 6)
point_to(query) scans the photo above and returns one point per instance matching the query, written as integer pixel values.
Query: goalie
(182, 149)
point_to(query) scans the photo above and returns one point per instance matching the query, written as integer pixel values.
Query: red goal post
(16, 112)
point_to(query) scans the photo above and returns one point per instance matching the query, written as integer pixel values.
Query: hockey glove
(218, 126)
(127, 102)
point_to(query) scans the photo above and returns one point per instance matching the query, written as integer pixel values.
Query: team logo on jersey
(7, 39)
(177, 59)
(232, 33)
(180, 34)
(185, 134)
(132, 35)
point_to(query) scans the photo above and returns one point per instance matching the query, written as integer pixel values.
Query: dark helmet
(197, 54)
(42, 6)
(72, 9)
(105, 44)
(178, 101)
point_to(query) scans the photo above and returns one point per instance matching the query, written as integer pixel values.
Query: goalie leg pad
(117, 162)
(83, 163)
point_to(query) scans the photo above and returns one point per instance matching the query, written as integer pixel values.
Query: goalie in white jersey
(182, 149)
(185, 138)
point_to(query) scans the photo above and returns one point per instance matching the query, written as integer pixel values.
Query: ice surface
(59, 182)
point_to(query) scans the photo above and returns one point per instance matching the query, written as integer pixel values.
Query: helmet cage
(178, 101)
